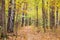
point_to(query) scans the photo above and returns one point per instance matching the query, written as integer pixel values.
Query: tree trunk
(29, 21)
(24, 14)
(2, 18)
(11, 15)
(22, 20)
(52, 14)
(43, 15)
(57, 17)
(1, 22)
(52, 17)
(37, 16)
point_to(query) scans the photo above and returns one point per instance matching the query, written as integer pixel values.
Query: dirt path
(27, 33)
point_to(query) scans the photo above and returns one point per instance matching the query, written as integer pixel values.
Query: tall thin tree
(26, 20)
(11, 15)
(52, 14)
(36, 6)
(57, 17)
(43, 15)
(2, 19)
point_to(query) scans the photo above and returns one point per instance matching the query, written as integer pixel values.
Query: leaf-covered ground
(31, 33)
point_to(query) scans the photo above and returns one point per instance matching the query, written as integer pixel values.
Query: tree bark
(43, 15)
(11, 15)
(52, 14)
(57, 18)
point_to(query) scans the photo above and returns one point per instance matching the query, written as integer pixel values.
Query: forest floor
(33, 33)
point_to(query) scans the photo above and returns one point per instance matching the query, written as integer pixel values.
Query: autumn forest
(29, 19)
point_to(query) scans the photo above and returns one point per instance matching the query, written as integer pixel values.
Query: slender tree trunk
(29, 21)
(37, 16)
(43, 14)
(22, 20)
(46, 16)
(57, 17)
(52, 15)
(2, 19)
(11, 15)
(24, 14)
(46, 19)
(1, 22)
(26, 20)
